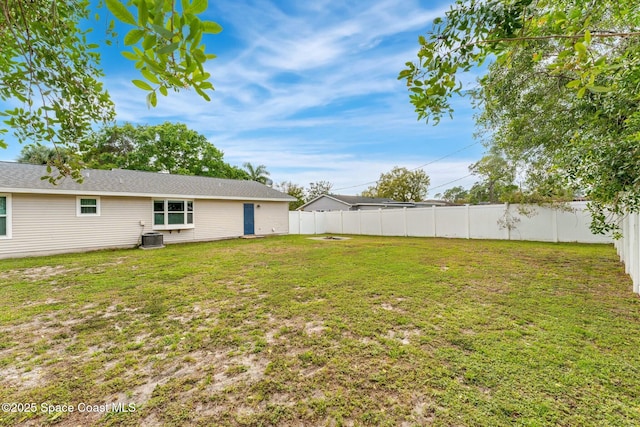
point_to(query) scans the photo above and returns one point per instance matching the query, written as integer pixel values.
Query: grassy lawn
(293, 331)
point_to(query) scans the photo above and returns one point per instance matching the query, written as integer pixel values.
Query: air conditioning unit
(152, 241)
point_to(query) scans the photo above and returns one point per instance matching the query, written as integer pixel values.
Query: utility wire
(450, 182)
(416, 168)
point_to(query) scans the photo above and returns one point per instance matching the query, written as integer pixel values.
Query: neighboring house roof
(26, 178)
(357, 201)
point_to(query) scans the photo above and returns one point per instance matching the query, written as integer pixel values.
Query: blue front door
(248, 219)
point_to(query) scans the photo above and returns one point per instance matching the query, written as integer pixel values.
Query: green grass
(293, 331)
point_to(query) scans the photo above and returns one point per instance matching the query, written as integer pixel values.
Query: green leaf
(195, 26)
(133, 37)
(199, 56)
(143, 13)
(162, 31)
(150, 76)
(167, 49)
(587, 36)
(163, 90)
(198, 6)
(580, 48)
(152, 99)
(131, 56)
(149, 41)
(574, 83)
(210, 27)
(120, 12)
(598, 89)
(142, 84)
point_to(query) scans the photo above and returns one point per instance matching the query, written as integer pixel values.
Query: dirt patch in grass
(290, 331)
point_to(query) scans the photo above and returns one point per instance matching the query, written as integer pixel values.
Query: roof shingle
(27, 178)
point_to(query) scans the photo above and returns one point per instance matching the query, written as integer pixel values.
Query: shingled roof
(26, 178)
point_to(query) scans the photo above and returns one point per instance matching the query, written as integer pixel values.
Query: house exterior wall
(43, 224)
(326, 204)
(46, 224)
(272, 218)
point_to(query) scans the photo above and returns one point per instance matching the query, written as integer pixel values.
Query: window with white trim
(5, 216)
(168, 214)
(87, 206)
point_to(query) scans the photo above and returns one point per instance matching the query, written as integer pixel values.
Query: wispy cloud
(310, 89)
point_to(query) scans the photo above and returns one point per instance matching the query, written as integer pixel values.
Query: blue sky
(310, 90)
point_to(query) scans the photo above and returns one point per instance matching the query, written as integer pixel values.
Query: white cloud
(310, 89)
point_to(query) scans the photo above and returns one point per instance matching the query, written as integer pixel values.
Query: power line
(416, 168)
(450, 182)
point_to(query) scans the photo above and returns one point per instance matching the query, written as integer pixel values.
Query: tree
(49, 66)
(560, 94)
(293, 190)
(401, 184)
(169, 147)
(454, 195)
(258, 173)
(43, 155)
(317, 189)
(498, 176)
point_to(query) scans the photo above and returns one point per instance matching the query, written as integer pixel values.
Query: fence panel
(420, 222)
(351, 222)
(394, 222)
(483, 222)
(452, 221)
(370, 223)
(333, 222)
(477, 222)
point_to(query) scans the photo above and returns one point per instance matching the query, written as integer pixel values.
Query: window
(169, 214)
(88, 206)
(5, 216)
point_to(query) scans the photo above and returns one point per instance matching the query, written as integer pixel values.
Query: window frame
(187, 212)
(8, 216)
(79, 206)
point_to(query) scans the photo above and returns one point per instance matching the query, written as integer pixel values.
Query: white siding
(46, 224)
(271, 218)
(326, 204)
(49, 224)
(218, 219)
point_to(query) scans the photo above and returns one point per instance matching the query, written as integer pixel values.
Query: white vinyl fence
(478, 222)
(629, 248)
(466, 222)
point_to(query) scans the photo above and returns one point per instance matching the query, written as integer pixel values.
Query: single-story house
(114, 208)
(337, 202)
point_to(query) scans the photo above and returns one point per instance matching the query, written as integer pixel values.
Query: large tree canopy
(560, 95)
(50, 71)
(401, 185)
(168, 147)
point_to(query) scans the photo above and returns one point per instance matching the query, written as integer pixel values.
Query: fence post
(468, 211)
(380, 220)
(404, 217)
(634, 253)
(435, 229)
(554, 224)
(315, 222)
(341, 223)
